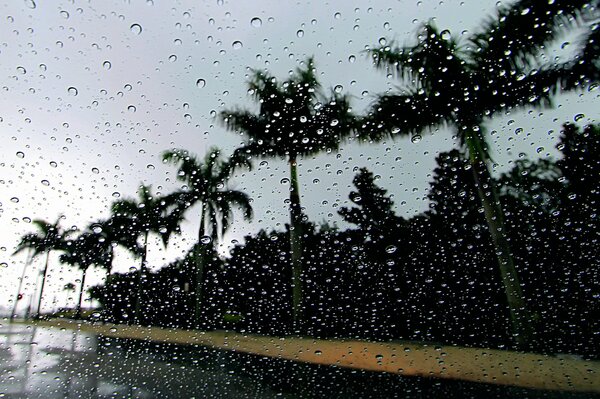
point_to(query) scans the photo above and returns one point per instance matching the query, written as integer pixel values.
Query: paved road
(38, 362)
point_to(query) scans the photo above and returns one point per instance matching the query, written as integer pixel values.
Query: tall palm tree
(463, 84)
(48, 238)
(85, 251)
(19, 295)
(138, 218)
(206, 183)
(294, 120)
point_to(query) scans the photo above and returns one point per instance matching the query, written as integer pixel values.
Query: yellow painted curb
(409, 359)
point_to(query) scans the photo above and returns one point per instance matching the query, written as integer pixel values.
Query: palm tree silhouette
(451, 84)
(206, 183)
(295, 120)
(138, 218)
(112, 232)
(48, 238)
(85, 251)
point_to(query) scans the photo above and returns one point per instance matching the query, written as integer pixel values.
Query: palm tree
(462, 85)
(112, 232)
(48, 238)
(138, 218)
(206, 183)
(294, 120)
(85, 251)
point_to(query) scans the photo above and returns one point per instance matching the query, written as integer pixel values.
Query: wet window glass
(299, 199)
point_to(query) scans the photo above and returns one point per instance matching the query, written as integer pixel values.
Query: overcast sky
(93, 91)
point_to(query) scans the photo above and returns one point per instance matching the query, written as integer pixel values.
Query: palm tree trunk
(141, 274)
(45, 272)
(200, 254)
(296, 244)
(520, 322)
(14, 309)
(78, 313)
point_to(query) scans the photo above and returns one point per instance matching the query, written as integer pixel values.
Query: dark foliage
(432, 277)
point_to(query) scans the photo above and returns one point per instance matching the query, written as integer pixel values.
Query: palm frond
(404, 114)
(515, 34)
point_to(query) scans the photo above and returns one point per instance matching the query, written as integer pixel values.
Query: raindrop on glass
(256, 22)
(136, 28)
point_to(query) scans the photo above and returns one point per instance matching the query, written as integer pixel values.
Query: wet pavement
(38, 362)
(48, 363)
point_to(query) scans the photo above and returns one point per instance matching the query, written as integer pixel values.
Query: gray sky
(93, 91)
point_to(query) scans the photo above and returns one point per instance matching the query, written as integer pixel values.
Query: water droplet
(205, 240)
(300, 33)
(285, 180)
(116, 194)
(172, 58)
(131, 108)
(43, 67)
(30, 4)
(416, 138)
(14, 199)
(96, 228)
(187, 117)
(237, 45)
(150, 167)
(72, 91)
(53, 164)
(390, 249)
(136, 28)
(337, 15)
(318, 352)
(200, 83)
(338, 89)
(352, 58)
(21, 70)
(334, 123)
(95, 171)
(162, 229)
(578, 117)
(45, 182)
(20, 154)
(107, 65)
(445, 34)
(64, 14)
(256, 22)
